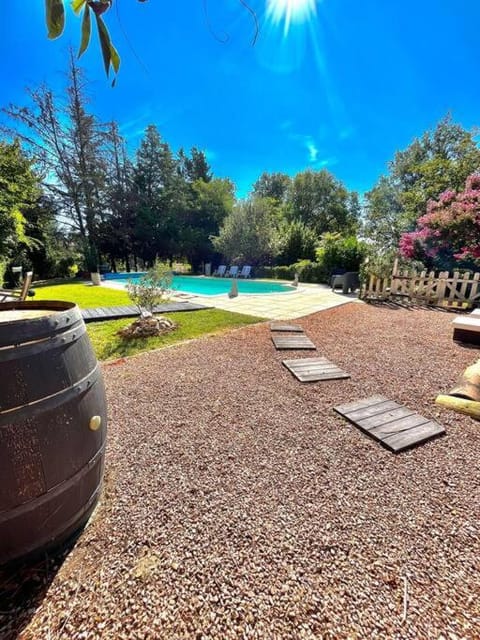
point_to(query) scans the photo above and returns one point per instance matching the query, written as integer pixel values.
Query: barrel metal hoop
(55, 491)
(16, 414)
(20, 331)
(76, 521)
(27, 349)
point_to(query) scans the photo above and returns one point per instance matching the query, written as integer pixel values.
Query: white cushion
(467, 323)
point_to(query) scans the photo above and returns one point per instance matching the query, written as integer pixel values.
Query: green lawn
(191, 324)
(108, 345)
(85, 295)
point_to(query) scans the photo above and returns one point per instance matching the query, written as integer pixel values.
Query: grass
(85, 295)
(108, 345)
(190, 324)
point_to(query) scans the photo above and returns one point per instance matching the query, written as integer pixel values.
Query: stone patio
(308, 299)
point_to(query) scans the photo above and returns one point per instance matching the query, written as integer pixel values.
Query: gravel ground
(237, 504)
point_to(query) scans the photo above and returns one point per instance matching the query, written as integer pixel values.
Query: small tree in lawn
(448, 235)
(150, 290)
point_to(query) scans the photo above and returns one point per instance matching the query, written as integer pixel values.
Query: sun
(290, 11)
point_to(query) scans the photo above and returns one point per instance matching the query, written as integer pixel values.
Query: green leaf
(105, 43)
(86, 31)
(115, 58)
(109, 53)
(77, 5)
(55, 17)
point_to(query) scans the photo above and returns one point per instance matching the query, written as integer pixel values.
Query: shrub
(307, 270)
(276, 273)
(64, 268)
(381, 265)
(339, 252)
(447, 235)
(297, 241)
(73, 270)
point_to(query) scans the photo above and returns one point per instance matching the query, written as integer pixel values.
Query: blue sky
(341, 91)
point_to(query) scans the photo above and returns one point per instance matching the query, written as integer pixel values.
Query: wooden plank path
(314, 369)
(130, 311)
(287, 328)
(299, 341)
(396, 427)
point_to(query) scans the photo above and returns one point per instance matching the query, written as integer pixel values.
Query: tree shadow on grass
(23, 587)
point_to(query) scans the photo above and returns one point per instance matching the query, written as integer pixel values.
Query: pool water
(203, 286)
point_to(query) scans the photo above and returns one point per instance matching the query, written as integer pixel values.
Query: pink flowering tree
(448, 235)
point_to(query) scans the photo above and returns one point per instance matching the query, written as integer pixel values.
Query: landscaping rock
(147, 326)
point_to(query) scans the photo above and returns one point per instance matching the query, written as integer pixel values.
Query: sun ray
(290, 11)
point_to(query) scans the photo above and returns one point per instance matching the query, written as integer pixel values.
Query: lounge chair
(245, 272)
(17, 294)
(232, 272)
(220, 271)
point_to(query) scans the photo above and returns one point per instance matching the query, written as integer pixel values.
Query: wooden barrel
(52, 426)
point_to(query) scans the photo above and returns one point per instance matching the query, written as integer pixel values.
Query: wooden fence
(459, 291)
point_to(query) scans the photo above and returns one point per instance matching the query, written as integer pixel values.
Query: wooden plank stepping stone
(314, 369)
(394, 426)
(294, 328)
(293, 342)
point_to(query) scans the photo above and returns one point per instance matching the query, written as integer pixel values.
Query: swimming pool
(203, 286)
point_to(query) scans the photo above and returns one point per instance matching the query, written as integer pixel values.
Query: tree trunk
(461, 405)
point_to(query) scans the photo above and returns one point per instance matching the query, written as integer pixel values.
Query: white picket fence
(459, 290)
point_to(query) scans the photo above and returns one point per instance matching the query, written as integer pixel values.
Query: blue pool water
(203, 286)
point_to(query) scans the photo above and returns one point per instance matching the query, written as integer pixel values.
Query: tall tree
(439, 160)
(19, 192)
(87, 163)
(47, 251)
(384, 220)
(249, 233)
(195, 166)
(322, 203)
(158, 189)
(68, 144)
(209, 204)
(297, 242)
(117, 229)
(272, 185)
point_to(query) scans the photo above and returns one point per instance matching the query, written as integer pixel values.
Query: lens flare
(289, 11)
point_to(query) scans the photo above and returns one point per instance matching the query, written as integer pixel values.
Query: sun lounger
(245, 272)
(220, 271)
(232, 272)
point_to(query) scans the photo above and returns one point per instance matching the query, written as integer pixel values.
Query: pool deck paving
(307, 299)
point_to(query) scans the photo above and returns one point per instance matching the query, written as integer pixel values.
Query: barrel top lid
(11, 315)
